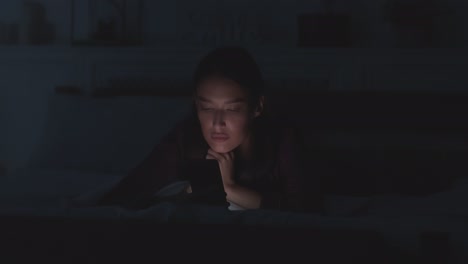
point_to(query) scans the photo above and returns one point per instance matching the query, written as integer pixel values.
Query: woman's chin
(221, 149)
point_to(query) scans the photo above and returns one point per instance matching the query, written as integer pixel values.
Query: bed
(91, 141)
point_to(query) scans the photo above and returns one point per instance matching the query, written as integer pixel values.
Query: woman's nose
(218, 118)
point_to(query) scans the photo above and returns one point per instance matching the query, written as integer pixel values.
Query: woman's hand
(237, 194)
(226, 165)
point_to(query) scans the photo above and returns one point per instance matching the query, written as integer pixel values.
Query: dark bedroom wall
(27, 81)
(274, 21)
(369, 25)
(25, 89)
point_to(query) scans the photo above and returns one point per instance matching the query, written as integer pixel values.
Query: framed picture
(106, 22)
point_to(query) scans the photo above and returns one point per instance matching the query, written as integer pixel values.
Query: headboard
(292, 88)
(381, 139)
(350, 110)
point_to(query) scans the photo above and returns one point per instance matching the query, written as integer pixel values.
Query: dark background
(371, 45)
(380, 47)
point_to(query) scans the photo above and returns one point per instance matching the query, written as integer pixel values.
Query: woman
(258, 159)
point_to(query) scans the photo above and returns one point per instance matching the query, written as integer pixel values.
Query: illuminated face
(223, 112)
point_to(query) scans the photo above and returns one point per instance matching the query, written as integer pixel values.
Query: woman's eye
(209, 109)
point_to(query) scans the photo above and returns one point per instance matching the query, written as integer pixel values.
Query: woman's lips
(219, 137)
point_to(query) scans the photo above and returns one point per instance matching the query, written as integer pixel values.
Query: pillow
(105, 134)
(49, 188)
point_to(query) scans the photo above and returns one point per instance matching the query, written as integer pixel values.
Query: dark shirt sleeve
(294, 192)
(158, 170)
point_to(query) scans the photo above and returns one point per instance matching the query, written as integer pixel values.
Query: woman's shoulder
(280, 138)
(178, 133)
(190, 138)
(282, 129)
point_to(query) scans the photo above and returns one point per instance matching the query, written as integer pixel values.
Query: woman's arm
(242, 196)
(292, 191)
(235, 193)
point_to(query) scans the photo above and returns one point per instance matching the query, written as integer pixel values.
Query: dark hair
(236, 64)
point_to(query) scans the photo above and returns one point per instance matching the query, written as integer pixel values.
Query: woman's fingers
(220, 156)
(215, 155)
(226, 164)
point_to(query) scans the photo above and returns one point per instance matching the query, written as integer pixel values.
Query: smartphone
(205, 179)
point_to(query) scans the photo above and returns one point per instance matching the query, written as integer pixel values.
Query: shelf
(343, 68)
(270, 53)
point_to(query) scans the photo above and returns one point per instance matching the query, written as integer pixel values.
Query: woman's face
(223, 112)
